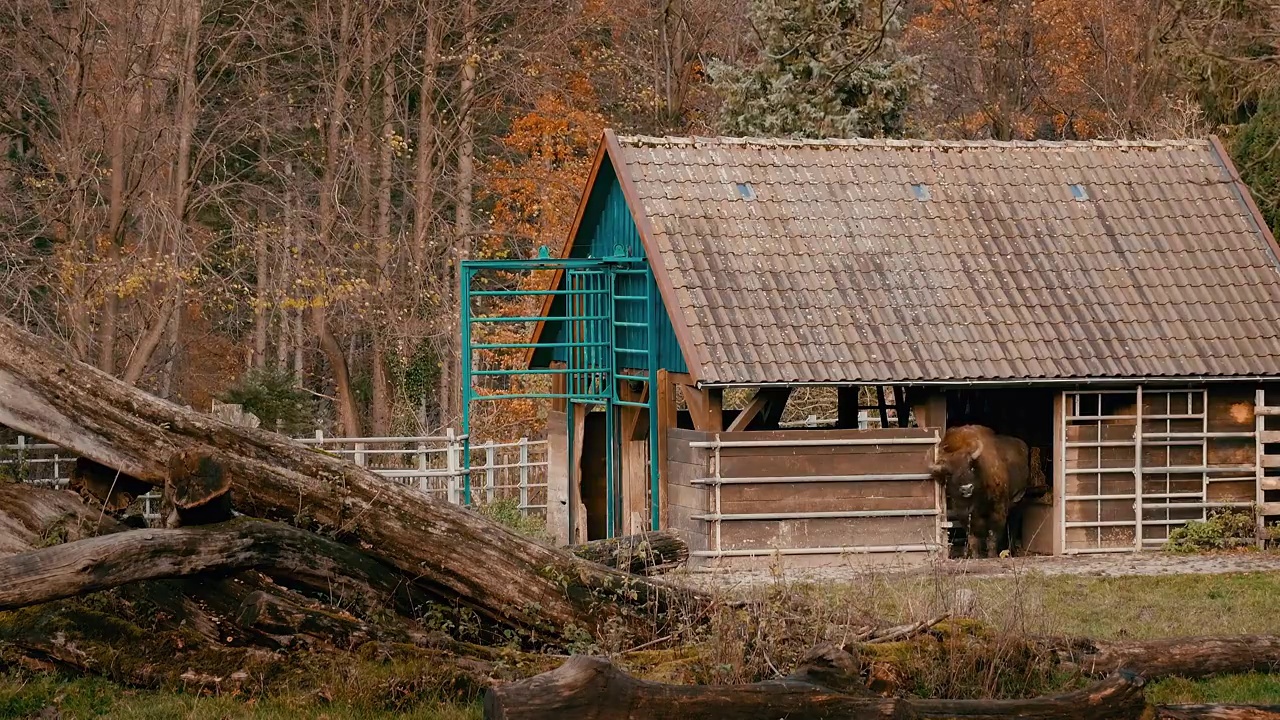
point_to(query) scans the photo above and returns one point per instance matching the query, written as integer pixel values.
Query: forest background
(265, 201)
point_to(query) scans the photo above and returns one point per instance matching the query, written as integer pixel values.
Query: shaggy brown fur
(983, 474)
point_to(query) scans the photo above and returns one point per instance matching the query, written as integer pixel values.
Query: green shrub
(507, 512)
(1225, 529)
(274, 396)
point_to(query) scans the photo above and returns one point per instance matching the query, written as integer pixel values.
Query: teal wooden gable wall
(608, 229)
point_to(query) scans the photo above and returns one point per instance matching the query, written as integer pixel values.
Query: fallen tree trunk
(284, 552)
(593, 688)
(1218, 712)
(33, 517)
(1189, 657)
(1117, 697)
(543, 593)
(647, 553)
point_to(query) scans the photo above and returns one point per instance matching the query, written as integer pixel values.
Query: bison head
(957, 471)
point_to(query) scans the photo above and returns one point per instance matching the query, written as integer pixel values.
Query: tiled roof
(881, 261)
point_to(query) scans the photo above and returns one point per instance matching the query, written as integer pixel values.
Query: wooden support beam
(767, 402)
(666, 420)
(847, 407)
(930, 408)
(882, 406)
(578, 517)
(706, 407)
(559, 386)
(635, 421)
(772, 414)
(902, 406)
(633, 424)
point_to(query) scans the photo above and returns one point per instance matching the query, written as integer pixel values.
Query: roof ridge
(695, 140)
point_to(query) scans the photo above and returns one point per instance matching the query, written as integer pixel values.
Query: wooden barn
(1114, 304)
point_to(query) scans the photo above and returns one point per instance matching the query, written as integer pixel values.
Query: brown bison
(984, 475)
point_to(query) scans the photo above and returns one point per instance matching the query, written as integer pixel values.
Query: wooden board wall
(857, 489)
(684, 498)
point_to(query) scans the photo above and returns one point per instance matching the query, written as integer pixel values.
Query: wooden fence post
(524, 475)
(452, 455)
(490, 473)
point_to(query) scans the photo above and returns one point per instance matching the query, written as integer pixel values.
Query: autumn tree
(1023, 69)
(1228, 55)
(826, 68)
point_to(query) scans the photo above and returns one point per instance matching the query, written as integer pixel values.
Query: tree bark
(1189, 657)
(32, 517)
(1117, 697)
(297, 557)
(1218, 712)
(424, 167)
(647, 553)
(591, 688)
(544, 593)
(594, 689)
(460, 248)
(381, 401)
(348, 416)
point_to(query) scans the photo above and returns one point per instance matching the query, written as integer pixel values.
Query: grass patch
(1251, 689)
(1130, 607)
(25, 696)
(986, 657)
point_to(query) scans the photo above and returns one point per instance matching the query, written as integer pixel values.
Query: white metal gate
(1139, 462)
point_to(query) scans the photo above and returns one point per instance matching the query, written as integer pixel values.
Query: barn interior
(1023, 412)
(1026, 413)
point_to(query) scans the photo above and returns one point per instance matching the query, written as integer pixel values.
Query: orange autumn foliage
(534, 189)
(1026, 69)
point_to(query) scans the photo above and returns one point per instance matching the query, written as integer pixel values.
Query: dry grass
(766, 638)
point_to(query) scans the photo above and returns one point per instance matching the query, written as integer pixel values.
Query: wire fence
(499, 471)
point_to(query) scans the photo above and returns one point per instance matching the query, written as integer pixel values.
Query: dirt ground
(1110, 565)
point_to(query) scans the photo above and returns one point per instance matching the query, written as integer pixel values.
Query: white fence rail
(433, 464)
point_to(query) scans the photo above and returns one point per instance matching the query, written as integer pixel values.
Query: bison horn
(976, 452)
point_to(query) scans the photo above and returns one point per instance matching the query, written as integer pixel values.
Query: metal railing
(515, 470)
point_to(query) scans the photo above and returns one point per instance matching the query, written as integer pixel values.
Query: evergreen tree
(1255, 150)
(827, 68)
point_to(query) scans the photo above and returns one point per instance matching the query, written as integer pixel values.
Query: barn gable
(606, 228)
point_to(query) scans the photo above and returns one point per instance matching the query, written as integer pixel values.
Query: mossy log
(545, 594)
(593, 688)
(290, 555)
(1117, 697)
(1218, 712)
(1189, 657)
(647, 553)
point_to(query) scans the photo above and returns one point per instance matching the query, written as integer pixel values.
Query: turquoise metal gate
(609, 316)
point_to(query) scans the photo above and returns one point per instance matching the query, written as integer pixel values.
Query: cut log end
(199, 487)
